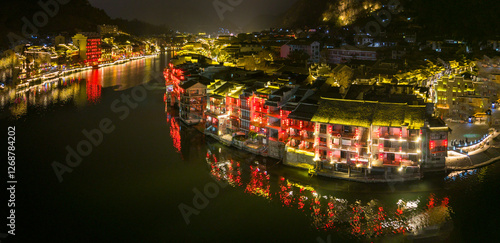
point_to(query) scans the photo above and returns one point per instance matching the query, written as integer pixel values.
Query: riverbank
(50, 76)
(352, 175)
(487, 154)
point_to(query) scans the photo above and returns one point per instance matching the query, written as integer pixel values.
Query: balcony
(349, 148)
(399, 163)
(348, 135)
(391, 136)
(274, 125)
(304, 148)
(275, 114)
(334, 146)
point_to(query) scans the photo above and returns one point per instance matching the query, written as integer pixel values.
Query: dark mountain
(261, 22)
(72, 17)
(471, 20)
(305, 13)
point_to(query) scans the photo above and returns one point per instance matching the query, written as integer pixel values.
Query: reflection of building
(329, 212)
(94, 87)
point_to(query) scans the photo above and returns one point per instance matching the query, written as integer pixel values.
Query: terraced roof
(366, 113)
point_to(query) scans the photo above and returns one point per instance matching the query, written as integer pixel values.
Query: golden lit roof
(366, 113)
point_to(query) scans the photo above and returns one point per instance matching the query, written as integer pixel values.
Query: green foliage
(252, 134)
(298, 56)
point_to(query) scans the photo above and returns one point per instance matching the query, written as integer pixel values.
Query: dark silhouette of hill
(462, 19)
(75, 16)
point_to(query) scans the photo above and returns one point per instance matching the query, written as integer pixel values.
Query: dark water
(129, 187)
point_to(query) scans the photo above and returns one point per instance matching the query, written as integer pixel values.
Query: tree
(298, 56)
(343, 75)
(267, 55)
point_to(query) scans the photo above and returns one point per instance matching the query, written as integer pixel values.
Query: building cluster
(64, 52)
(313, 120)
(461, 89)
(374, 107)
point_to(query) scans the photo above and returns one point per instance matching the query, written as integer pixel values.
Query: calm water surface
(130, 186)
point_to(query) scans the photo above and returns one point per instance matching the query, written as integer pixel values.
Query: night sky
(197, 15)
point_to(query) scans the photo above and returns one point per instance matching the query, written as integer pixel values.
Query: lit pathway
(480, 156)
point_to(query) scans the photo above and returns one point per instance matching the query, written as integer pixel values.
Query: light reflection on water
(42, 96)
(82, 88)
(329, 213)
(326, 211)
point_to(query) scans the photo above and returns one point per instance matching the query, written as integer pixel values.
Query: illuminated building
(106, 53)
(89, 45)
(275, 115)
(173, 78)
(448, 89)
(434, 144)
(369, 129)
(376, 136)
(192, 101)
(299, 130)
(107, 29)
(223, 107)
(312, 48)
(347, 53)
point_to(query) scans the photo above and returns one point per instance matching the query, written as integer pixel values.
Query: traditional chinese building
(369, 136)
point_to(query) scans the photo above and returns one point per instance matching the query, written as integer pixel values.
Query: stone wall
(276, 149)
(299, 160)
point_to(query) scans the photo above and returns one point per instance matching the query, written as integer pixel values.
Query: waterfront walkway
(482, 156)
(371, 178)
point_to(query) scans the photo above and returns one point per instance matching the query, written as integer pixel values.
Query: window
(322, 129)
(412, 145)
(347, 129)
(322, 141)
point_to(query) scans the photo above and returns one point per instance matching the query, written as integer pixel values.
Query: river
(152, 179)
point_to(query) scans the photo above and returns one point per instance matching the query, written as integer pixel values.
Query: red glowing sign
(432, 145)
(445, 143)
